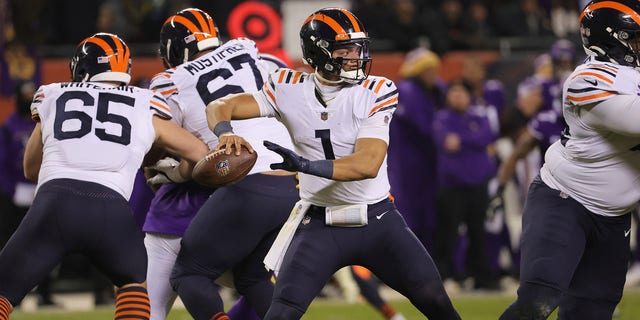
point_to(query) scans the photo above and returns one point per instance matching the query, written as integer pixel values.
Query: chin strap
(319, 75)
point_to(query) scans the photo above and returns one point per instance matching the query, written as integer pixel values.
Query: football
(218, 169)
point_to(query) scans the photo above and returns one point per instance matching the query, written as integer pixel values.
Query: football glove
(166, 171)
(293, 162)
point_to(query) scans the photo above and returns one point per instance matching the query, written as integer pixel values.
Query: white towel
(273, 259)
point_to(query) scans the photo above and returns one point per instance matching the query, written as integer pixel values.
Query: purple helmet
(563, 49)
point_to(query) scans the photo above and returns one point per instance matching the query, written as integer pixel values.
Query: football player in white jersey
(576, 221)
(235, 226)
(338, 118)
(90, 139)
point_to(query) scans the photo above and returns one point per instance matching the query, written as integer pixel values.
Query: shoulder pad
(591, 84)
(159, 106)
(37, 102)
(288, 76)
(163, 84)
(385, 91)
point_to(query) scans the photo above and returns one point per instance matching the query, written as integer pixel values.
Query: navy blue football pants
(233, 230)
(386, 246)
(72, 216)
(571, 258)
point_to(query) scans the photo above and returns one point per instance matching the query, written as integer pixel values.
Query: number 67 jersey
(96, 132)
(234, 67)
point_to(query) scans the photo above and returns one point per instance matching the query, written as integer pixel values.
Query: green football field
(470, 307)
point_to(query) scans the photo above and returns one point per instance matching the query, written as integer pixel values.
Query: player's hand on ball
(218, 169)
(228, 142)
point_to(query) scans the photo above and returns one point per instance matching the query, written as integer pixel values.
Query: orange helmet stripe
(612, 5)
(352, 18)
(209, 23)
(122, 60)
(204, 26)
(329, 21)
(108, 50)
(118, 60)
(197, 32)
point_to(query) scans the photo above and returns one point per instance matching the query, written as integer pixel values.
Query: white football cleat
(633, 275)
(398, 316)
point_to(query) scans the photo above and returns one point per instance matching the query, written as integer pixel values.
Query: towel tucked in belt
(273, 259)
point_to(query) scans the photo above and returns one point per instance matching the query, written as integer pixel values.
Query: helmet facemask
(610, 31)
(630, 39)
(352, 70)
(341, 62)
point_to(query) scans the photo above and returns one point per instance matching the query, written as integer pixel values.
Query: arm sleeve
(384, 103)
(177, 111)
(266, 99)
(159, 106)
(620, 114)
(376, 126)
(38, 97)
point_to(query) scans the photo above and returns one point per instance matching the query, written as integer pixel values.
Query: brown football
(218, 169)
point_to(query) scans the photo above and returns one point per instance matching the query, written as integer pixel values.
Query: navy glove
(293, 162)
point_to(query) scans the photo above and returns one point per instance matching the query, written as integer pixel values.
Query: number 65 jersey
(96, 132)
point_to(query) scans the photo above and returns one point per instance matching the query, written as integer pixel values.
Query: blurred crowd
(445, 25)
(401, 25)
(62, 22)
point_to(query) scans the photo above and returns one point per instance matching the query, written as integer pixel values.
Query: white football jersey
(319, 132)
(96, 132)
(233, 67)
(598, 162)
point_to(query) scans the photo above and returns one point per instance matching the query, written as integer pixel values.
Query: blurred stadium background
(38, 36)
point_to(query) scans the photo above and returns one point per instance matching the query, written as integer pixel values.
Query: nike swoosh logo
(626, 233)
(380, 215)
(592, 82)
(388, 84)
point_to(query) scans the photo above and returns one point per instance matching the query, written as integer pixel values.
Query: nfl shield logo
(223, 168)
(324, 116)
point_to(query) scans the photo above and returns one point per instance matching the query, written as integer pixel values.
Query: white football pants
(162, 251)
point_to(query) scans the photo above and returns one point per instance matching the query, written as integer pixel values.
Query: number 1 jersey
(329, 130)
